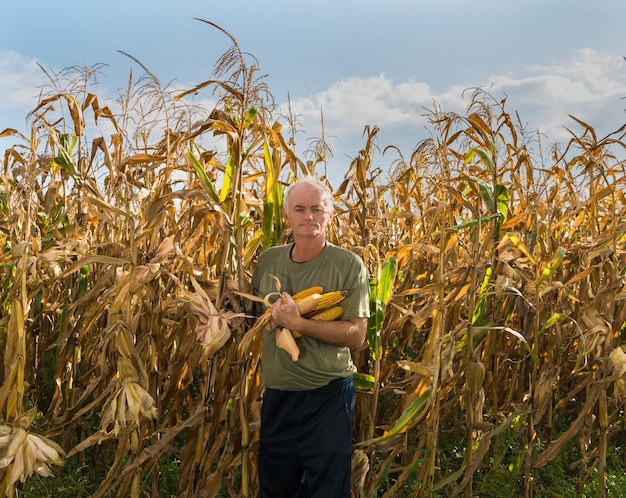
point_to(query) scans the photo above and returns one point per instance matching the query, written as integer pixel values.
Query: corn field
(497, 290)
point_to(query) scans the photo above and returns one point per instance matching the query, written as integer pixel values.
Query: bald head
(306, 183)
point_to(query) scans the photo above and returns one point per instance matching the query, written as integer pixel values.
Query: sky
(359, 62)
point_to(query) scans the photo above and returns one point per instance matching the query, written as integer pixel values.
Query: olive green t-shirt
(319, 363)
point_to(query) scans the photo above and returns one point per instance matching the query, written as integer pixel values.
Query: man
(308, 405)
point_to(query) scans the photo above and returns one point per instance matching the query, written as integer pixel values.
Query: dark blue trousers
(306, 442)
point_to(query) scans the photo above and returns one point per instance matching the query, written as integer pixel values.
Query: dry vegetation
(498, 292)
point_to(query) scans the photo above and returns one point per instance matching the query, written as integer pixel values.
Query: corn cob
(312, 303)
(316, 289)
(330, 298)
(326, 308)
(327, 314)
(308, 297)
(317, 301)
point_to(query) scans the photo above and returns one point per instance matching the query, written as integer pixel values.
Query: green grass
(556, 480)
(71, 480)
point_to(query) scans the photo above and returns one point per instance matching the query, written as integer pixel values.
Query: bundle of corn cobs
(313, 303)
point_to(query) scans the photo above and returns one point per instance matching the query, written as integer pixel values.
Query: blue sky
(361, 62)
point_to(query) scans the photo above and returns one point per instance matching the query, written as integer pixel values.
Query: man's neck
(307, 251)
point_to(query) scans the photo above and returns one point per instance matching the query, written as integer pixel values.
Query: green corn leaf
(521, 246)
(556, 317)
(64, 158)
(250, 115)
(386, 279)
(271, 182)
(268, 224)
(83, 284)
(408, 418)
(380, 294)
(486, 192)
(273, 192)
(252, 247)
(549, 270)
(502, 199)
(480, 306)
(364, 381)
(228, 178)
(471, 223)
(484, 157)
(375, 323)
(204, 179)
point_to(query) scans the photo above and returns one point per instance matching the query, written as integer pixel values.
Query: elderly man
(308, 404)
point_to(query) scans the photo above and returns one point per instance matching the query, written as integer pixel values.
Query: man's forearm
(350, 333)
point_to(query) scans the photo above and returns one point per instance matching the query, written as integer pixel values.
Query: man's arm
(350, 333)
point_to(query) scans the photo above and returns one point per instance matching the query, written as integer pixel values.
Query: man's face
(308, 214)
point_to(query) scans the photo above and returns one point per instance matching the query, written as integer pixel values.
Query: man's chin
(313, 233)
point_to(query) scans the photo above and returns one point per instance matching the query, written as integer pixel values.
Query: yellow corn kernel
(327, 314)
(319, 302)
(330, 298)
(316, 289)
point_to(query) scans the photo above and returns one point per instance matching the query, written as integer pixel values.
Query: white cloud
(20, 79)
(23, 82)
(589, 87)
(596, 69)
(351, 104)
